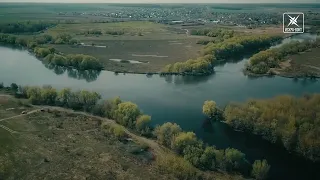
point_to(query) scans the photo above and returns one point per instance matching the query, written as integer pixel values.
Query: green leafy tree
(166, 132)
(49, 95)
(208, 158)
(260, 169)
(235, 159)
(127, 113)
(193, 155)
(14, 87)
(209, 108)
(34, 95)
(143, 123)
(64, 96)
(182, 140)
(177, 166)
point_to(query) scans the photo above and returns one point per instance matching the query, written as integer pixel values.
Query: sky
(166, 1)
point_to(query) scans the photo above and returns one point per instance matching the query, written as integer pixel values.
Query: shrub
(143, 123)
(115, 129)
(260, 169)
(166, 132)
(179, 167)
(182, 140)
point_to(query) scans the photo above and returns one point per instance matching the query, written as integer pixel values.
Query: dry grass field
(302, 64)
(148, 46)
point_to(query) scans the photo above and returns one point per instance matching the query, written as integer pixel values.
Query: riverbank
(128, 115)
(293, 59)
(44, 135)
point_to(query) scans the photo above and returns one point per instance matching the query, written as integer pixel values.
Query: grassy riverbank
(78, 145)
(295, 59)
(191, 156)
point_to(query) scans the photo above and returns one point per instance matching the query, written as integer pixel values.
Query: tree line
(292, 121)
(77, 61)
(88, 75)
(128, 114)
(213, 52)
(50, 55)
(217, 32)
(37, 40)
(100, 32)
(261, 62)
(25, 27)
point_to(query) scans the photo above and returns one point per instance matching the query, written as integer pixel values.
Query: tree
(260, 169)
(209, 108)
(177, 166)
(193, 155)
(64, 96)
(166, 132)
(208, 157)
(143, 123)
(115, 129)
(49, 95)
(34, 95)
(127, 113)
(14, 87)
(182, 140)
(235, 159)
(88, 99)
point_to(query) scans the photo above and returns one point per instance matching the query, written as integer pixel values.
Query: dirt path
(12, 117)
(152, 144)
(314, 67)
(8, 129)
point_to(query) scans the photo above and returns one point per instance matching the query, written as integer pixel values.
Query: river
(179, 99)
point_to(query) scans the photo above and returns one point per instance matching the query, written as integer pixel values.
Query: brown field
(154, 54)
(156, 45)
(272, 30)
(60, 145)
(301, 64)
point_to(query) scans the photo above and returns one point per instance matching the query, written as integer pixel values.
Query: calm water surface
(180, 99)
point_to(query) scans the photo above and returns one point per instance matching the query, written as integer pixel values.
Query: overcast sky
(167, 1)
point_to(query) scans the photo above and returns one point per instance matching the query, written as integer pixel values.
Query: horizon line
(160, 3)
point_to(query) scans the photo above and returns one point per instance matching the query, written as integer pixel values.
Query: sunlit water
(179, 99)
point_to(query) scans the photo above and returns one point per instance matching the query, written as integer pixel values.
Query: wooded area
(292, 121)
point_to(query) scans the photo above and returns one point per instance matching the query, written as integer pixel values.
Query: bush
(209, 108)
(180, 168)
(115, 129)
(260, 169)
(182, 140)
(143, 123)
(14, 87)
(166, 132)
(193, 155)
(127, 113)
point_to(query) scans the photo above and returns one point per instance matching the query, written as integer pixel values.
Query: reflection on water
(88, 75)
(178, 80)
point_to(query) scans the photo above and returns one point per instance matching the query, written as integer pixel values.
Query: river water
(179, 99)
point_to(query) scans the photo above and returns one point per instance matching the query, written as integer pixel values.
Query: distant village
(184, 15)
